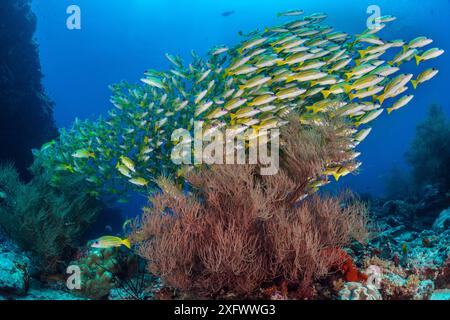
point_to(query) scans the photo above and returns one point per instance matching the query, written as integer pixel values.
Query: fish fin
(242, 87)
(326, 93)
(405, 48)
(415, 83)
(126, 243)
(267, 29)
(389, 110)
(418, 59)
(362, 53)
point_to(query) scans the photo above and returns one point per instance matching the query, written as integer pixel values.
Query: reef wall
(26, 113)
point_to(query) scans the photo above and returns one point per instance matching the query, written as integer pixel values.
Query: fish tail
(126, 243)
(232, 116)
(358, 62)
(362, 53)
(289, 79)
(351, 96)
(278, 50)
(280, 63)
(349, 75)
(405, 48)
(418, 59)
(336, 176)
(241, 51)
(326, 93)
(380, 98)
(415, 83)
(389, 110)
(347, 88)
(391, 63)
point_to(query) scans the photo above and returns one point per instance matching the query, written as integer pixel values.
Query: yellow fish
(424, 76)
(83, 154)
(106, 242)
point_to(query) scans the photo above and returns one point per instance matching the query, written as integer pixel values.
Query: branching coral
(241, 229)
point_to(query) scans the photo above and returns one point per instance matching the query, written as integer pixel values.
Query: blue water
(120, 39)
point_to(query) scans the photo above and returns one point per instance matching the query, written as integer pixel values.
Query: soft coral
(346, 265)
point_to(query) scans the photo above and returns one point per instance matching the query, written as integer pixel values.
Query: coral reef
(230, 232)
(45, 217)
(412, 260)
(19, 277)
(15, 268)
(112, 272)
(26, 119)
(358, 291)
(238, 230)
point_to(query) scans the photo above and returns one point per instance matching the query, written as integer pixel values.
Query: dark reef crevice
(26, 113)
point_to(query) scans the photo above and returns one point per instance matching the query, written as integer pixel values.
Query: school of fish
(300, 67)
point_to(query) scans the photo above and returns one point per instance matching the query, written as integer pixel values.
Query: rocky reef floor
(403, 260)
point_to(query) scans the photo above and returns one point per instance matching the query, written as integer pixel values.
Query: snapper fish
(83, 154)
(107, 242)
(418, 42)
(428, 55)
(425, 76)
(141, 182)
(400, 103)
(291, 13)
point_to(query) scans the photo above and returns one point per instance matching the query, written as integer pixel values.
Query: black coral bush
(429, 154)
(239, 230)
(45, 219)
